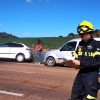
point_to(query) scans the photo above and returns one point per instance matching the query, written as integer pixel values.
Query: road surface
(35, 82)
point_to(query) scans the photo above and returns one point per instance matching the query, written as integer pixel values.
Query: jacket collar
(86, 43)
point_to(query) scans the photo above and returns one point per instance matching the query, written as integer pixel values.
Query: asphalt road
(35, 82)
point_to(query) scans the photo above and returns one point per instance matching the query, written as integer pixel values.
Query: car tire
(30, 61)
(50, 61)
(20, 58)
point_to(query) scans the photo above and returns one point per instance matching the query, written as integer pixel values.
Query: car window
(70, 46)
(10, 44)
(14, 45)
(17, 45)
(3, 45)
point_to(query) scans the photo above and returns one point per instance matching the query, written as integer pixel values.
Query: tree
(97, 32)
(60, 36)
(71, 34)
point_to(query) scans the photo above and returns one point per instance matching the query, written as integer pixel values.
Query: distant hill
(6, 35)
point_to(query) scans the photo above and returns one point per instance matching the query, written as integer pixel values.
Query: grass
(48, 43)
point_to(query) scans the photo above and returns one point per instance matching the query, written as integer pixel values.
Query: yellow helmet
(85, 27)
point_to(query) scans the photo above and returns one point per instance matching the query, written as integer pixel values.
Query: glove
(71, 64)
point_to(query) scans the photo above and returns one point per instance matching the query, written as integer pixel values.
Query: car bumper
(29, 57)
(44, 58)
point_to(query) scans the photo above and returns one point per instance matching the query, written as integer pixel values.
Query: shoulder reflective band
(75, 55)
(91, 97)
(96, 53)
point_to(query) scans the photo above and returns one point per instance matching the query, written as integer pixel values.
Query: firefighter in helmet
(87, 55)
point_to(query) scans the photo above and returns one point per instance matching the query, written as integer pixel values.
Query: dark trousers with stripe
(83, 84)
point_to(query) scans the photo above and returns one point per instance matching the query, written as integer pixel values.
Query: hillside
(96, 33)
(6, 35)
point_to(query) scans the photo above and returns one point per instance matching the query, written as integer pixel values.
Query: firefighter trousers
(82, 87)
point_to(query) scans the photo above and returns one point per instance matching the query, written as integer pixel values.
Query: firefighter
(87, 55)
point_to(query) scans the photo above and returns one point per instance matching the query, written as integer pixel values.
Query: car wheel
(50, 61)
(30, 61)
(20, 58)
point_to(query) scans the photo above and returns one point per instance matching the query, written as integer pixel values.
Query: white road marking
(11, 93)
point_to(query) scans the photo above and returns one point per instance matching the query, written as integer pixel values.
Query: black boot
(76, 97)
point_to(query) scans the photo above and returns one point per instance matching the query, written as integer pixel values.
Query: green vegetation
(48, 43)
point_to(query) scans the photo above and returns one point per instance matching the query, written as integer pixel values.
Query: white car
(17, 51)
(56, 56)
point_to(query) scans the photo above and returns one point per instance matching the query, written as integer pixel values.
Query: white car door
(15, 48)
(67, 49)
(4, 50)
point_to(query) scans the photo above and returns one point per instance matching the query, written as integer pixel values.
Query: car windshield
(70, 46)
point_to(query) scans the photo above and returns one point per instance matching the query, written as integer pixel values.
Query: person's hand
(99, 79)
(76, 62)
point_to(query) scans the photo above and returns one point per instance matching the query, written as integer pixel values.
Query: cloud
(1, 24)
(30, 1)
(28, 34)
(43, 0)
